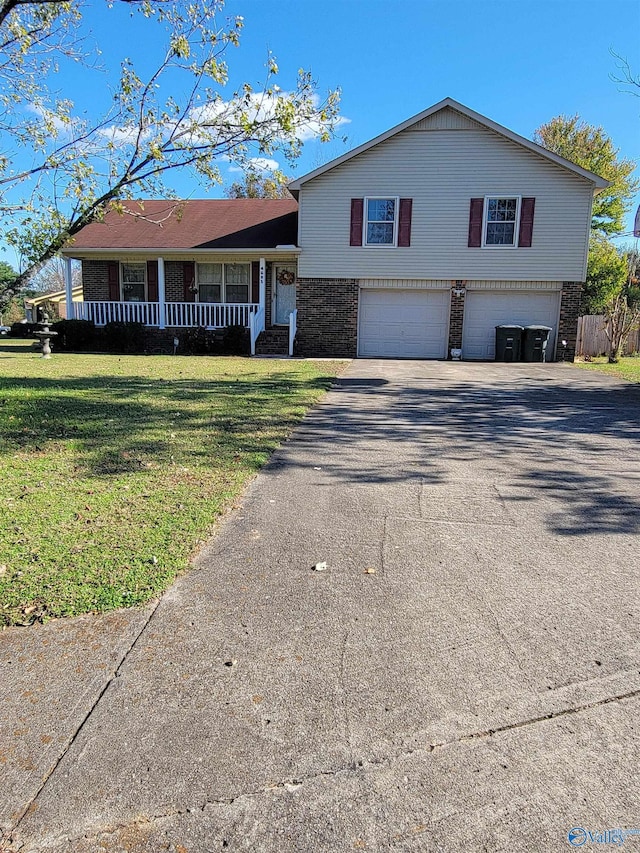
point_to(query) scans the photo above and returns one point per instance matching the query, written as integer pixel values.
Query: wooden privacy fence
(592, 338)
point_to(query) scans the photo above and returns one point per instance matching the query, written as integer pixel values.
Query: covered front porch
(147, 291)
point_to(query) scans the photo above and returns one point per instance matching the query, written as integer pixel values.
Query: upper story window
(133, 278)
(224, 282)
(380, 227)
(501, 216)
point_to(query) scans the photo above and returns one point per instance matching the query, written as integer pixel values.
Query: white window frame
(365, 220)
(223, 286)
(516, 230)
(124, 264)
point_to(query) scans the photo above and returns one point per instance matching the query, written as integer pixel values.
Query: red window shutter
(152, 281)
(527, 209)
(255, 281)
(357, 212)
(113, 274)
(189, 278)
(404, 222)
(475, 223)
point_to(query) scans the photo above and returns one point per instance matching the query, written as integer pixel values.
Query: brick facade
(174, 281)
(327, 317)
(95, 281)
(569, 313)
(456, 318)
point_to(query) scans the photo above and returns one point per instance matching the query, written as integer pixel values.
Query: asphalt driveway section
(464, 675)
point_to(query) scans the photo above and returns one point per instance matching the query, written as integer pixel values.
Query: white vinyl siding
(441, 170)
(486, 309)
(403, 323)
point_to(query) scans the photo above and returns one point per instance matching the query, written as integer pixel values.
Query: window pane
(133, 292)
(502, 209)
(236, 274)
(380, 233)
(237, 292)
(209, 274)
(209, 292)
(500, 233)
(133, 273)
(381, 210)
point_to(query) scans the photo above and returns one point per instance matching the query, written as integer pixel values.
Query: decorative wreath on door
(286, 277)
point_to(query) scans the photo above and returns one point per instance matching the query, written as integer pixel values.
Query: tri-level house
(416, 243)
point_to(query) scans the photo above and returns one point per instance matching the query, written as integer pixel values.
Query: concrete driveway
(464, 676)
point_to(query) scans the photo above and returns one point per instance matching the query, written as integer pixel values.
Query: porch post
(68, 287)
(161, 295)
(263, 284)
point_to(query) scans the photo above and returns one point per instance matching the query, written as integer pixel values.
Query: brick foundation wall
(456, 318)
(327, 317)
(95, 281)
(569, 313)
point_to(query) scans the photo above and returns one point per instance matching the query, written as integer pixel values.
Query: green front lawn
(627, 368)
(114, 468)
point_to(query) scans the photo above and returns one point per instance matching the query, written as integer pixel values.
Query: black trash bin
(508, 343)
(534, 343)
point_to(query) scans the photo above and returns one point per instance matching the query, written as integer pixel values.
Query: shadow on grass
(119, 423)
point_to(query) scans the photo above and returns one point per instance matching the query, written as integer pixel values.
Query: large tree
(590, 147)
(255, 184)
(606, 275)
(59, 171)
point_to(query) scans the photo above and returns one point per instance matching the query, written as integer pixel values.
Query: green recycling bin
(508, 343)
(534, 343)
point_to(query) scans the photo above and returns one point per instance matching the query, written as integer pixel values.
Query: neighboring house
(417, 242)
(57, 298)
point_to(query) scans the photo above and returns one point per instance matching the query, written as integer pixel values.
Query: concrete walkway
(464, 676)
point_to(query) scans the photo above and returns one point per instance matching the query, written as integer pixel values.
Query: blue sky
(518, 62)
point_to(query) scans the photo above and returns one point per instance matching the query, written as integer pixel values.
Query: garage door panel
(484, 310)
(403, 323)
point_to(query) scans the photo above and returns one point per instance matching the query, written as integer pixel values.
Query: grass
(627, 368)
(115, 468)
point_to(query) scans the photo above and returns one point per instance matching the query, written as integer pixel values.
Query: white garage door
(403, 323)
(486, 309)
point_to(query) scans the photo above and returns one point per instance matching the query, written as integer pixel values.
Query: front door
(285, 293)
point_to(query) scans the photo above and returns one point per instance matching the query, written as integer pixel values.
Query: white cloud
(258, 106)
(51, 119)
(119, 135)
(258, 164)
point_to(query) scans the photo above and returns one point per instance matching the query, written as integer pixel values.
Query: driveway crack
(292, 785)
(9, 833)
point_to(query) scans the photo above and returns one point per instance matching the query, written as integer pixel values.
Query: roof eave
(74, 252)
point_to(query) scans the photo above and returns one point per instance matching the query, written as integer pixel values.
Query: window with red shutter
(357, 208)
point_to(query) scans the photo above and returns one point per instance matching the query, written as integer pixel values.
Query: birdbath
(45, 334)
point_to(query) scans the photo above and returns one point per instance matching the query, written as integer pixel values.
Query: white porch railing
(256, 325)
(209, 314)
(293, 328)
(118, 312)
(177, 314)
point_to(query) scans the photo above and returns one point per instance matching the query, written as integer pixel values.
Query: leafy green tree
(59, 171)
(256, 185)
(590, 147)
(8, 278)
(606, 275)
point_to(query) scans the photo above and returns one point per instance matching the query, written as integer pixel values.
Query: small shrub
(75, 335)
(236, 341)
(200, 341)
(24, 330)
(124, 337)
